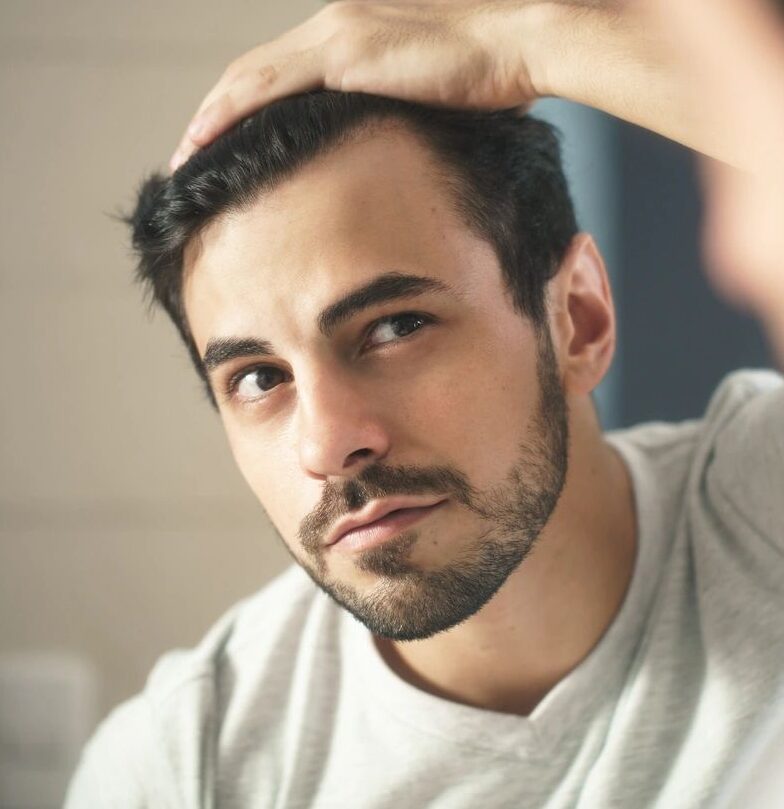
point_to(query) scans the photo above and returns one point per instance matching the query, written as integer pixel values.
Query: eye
(396, 327)
(255, 383)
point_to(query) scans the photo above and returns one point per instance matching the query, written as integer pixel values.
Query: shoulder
(726, 468)
(744, 464)
(744, 420)
(256, 626)
(747, 406)
(745, 402)
(118, 766)
(159, 748)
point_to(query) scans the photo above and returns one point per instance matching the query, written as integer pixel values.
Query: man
(400, 327)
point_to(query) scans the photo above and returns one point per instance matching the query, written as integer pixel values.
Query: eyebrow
(390, 286)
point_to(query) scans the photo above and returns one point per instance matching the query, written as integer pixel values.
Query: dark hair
(503, 170)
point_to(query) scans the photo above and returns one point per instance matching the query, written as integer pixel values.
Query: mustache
(376, 482)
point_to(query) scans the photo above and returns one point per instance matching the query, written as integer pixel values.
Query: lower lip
(374, 533)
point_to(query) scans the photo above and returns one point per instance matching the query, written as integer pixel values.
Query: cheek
(497, 422)
(272, 475)
(474, 414)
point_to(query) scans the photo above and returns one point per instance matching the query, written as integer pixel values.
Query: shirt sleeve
(121, 767)
(746, 472)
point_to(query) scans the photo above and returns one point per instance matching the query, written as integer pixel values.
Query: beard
(410, 603)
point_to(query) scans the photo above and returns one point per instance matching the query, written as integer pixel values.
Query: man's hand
(470, 53)
(456, 53)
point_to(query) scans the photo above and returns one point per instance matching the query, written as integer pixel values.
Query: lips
(391, 526)
(388, 510)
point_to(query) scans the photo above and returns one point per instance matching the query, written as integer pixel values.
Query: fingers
(293, 63)
(403, 49)
(261, 68)
(248, 92)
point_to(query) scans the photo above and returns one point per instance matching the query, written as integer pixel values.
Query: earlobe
(582, 316)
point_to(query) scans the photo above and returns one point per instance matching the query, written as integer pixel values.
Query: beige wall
(125, 529)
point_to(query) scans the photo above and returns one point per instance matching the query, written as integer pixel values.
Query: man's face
(366, 356)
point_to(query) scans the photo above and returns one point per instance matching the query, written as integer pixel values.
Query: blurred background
(125, 529)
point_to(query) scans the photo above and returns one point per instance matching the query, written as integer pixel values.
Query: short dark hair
(503, 170)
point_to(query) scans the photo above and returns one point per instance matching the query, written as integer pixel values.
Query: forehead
(375, 204)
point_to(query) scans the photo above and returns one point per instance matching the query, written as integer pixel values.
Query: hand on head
(441, 52)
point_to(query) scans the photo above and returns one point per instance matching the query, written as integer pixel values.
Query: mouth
(386, 527)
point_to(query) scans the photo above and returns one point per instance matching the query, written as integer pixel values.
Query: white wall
(125, 529)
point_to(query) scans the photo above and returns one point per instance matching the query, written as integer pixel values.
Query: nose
(339, 428)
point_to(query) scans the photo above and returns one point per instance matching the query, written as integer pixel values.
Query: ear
(582, 316)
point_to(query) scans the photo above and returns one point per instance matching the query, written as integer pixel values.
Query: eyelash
(234, 381)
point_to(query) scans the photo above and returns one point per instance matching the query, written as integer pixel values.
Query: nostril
(360, 453)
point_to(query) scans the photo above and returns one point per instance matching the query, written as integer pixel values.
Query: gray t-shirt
(287, 703)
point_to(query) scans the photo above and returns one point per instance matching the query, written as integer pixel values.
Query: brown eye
(255, 383)
(396, 327)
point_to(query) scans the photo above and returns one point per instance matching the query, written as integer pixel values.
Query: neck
(553, 610)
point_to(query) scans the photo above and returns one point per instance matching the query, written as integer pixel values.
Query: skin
(660, 64)
(462, 394)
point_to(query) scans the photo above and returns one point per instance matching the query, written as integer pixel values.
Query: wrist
(539, 29)
(557, 41)
(606, 56)
(516, 35)
(561, 45)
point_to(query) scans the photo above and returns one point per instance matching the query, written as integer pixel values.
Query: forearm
(607, 57)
